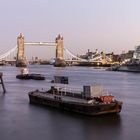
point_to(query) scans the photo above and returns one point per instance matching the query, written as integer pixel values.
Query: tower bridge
(18, 53)
(58, 44)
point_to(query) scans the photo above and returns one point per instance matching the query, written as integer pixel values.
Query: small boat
(91, 101)
(113, 68)
(26, 76)
(23, 76)
(31, 76)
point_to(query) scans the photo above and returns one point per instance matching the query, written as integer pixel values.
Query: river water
(20, 120)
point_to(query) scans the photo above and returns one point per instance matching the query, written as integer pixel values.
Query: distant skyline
(106, 25)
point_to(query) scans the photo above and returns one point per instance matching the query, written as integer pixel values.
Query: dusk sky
(106, 25)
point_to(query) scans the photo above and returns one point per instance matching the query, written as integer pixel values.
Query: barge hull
(90, 109)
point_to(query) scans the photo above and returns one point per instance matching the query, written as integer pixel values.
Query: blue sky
(106, 25)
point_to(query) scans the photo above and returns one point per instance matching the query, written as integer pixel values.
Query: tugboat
(91, 101)
(26, 76)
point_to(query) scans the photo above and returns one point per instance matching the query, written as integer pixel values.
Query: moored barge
(86, 102)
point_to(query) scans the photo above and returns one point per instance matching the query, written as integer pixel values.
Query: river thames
(20, 120)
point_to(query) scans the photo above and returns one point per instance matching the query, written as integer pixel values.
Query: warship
(131, 66)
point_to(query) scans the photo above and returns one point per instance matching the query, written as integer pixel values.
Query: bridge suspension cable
(5, 55)
(72, 55)
(98, 57)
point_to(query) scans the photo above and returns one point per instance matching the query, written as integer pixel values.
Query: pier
(2, 83)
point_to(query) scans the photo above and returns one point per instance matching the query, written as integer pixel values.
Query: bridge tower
(59, 47)
(20, 53)
(59, 61)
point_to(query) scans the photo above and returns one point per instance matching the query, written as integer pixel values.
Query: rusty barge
(85, 102)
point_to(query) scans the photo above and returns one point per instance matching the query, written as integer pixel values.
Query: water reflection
(21, 120)
(67, 125)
